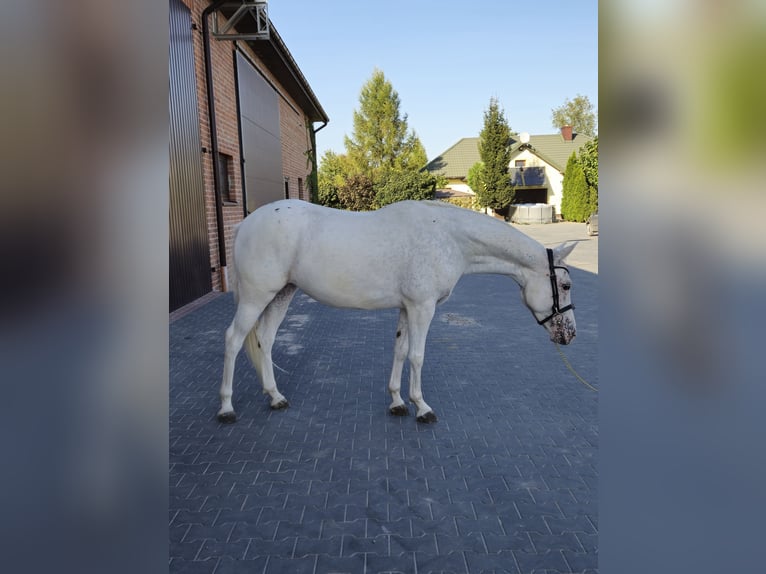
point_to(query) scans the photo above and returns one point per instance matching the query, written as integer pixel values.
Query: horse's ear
(561, 252)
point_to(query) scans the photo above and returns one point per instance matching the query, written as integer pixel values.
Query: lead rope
(571, 369)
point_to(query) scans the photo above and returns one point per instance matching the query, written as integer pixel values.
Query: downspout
(214, 140)
(243, 179)
(315, 164)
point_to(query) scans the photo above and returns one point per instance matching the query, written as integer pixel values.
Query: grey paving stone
(376, 564)
(182, 566)
(213, 549)
(450, 563)
(500, 563)
(282, 548)
(497, 543)
(279, 565)
(344, 565)
(353, 545)
(505, 481)
(332, 528)
(253, 530)
(228, 565)
(551, 560)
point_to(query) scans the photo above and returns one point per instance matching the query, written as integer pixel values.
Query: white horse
(408, 255)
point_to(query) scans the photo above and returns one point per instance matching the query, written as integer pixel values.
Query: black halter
(555, 288)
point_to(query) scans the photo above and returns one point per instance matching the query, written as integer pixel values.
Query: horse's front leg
(419, 320)
(398, 407)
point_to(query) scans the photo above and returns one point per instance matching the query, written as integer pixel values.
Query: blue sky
(445, 59)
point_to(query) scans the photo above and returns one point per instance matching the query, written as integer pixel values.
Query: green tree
(577, 113)
(575, 192)
(588, 158)
(474, 179)
(334, 171)
(567, 201)
(383, 157)
(494, 149)
(381, 139)
(398, 185)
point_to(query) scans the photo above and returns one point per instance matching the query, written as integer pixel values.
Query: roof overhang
(515, 150)
(277, 58)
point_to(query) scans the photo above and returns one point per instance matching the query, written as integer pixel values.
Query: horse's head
(548, 294)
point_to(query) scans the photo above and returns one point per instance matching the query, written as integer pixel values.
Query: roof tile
(455, 162)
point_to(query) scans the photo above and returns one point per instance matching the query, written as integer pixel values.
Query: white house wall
(554, 177)
(464, 187)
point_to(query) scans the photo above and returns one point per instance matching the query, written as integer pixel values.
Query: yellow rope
(569, 366)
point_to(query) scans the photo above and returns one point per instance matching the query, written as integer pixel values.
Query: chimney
(566, 133)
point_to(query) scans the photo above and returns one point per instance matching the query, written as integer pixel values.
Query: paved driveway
(505, 481)
(585, 255)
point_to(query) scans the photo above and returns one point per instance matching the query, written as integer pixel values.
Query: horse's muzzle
(562, 338)
(562, 331)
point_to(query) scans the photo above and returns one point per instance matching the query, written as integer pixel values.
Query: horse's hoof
(429, 417)
(227, 418)
(283, 404)
(399, 411)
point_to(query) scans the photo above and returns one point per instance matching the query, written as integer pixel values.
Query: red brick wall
(294, 135)
(295, 143)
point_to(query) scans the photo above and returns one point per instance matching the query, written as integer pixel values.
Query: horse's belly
(355, 292)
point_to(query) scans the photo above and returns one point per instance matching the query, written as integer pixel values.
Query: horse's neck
(491, 246)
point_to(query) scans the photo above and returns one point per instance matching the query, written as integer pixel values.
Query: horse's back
(368, 260)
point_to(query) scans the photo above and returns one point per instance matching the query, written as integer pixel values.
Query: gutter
(214, 140)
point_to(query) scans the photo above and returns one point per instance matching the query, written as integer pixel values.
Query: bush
(465, 202)
(357, 193)
(401, 185)
(334, 171)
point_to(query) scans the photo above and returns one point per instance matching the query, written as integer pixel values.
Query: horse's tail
(251, 348)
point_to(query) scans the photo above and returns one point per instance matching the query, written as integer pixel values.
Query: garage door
(261, 142)
(189, 258)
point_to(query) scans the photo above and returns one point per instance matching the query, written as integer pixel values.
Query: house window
(300, 188)
(287, 188)
(520, 163)
(225, 174)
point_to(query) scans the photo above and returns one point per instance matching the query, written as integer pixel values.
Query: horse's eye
(566, 286)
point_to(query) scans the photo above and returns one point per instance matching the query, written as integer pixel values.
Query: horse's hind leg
(398, 407)
(244, 319)
(260, 341)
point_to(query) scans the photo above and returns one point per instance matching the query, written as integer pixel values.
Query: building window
(225, 173)
(520, 163)
(287, 188)
(300, 188)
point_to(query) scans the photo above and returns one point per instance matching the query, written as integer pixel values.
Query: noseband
(555, 288)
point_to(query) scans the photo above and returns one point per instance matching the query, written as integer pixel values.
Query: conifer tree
(567, 201)
(588, 158)
(383, 156)
(496, 190)
(575, 198)
(381, 139)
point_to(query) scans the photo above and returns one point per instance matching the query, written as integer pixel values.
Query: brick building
(243, 120)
